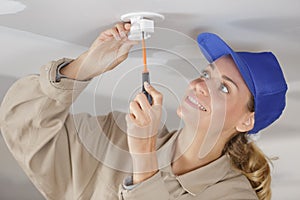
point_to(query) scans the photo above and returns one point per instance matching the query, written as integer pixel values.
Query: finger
(131, 125)
(130, 42)
(108, 34)
(124, 49)
(157, 97)
(130, 120)
(121, 30)
(143, 102)
(140, 117)
(127, 26)
(127, 45)
(115, 33)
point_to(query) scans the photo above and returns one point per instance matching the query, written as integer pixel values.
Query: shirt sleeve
(128, 183)
(152, 188)
(40, 133)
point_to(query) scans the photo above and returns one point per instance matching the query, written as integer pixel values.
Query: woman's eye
(224, 88)
(205, 75)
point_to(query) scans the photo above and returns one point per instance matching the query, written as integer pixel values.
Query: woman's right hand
(107, 51)
(143, 124)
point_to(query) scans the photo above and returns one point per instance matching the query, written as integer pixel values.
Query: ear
(246, 123)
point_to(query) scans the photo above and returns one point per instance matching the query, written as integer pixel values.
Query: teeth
(194, 101)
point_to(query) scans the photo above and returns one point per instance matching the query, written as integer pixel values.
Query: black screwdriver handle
(146, 78)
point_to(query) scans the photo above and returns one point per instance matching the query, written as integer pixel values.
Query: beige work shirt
(65, 157)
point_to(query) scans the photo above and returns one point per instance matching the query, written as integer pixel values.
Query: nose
(199, 86)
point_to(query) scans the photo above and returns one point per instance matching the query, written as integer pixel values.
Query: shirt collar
(198, 180)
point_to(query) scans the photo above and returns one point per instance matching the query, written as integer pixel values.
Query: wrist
(73, 69)
(144, 164)
(138, 178)
(141, 146)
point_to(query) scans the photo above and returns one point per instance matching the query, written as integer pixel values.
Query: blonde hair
(247, 158)
(250, 161)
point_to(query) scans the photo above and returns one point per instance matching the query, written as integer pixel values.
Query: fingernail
(146, 84)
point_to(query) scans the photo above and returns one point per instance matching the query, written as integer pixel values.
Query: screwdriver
(145, 74)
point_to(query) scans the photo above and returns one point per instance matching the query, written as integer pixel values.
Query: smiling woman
(10, 7)
(240, 93)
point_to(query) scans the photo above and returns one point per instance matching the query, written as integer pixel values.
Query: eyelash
(203, 73)
(223, 84)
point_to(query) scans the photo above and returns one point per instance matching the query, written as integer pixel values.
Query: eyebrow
(230, 80)
(212, 66)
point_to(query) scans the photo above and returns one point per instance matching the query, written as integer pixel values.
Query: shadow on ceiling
(5, 83)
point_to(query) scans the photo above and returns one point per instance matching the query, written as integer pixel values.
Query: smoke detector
(10, 7)
(141, 23)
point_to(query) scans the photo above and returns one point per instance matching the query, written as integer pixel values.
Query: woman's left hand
(143, 123)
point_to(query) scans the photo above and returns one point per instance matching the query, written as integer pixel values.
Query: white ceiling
(48, 30)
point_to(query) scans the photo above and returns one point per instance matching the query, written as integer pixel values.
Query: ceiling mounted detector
(142, 23)
(11, 7)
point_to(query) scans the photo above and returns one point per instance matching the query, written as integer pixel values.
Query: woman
(210, 158)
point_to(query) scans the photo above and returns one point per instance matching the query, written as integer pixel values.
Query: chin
(179, 112)
(189, 116)
(182, 112)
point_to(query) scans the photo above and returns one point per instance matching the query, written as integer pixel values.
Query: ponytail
(250, 161)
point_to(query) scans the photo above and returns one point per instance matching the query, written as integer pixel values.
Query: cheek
(225, 110)
(218, 105)
(233, 114)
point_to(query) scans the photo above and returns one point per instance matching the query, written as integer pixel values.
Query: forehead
(226, 66)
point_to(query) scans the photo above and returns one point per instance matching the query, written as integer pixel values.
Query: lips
(192, 101)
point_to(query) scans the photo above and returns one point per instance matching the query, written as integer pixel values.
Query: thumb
(157, 97)
(126, 45)
(123, 50)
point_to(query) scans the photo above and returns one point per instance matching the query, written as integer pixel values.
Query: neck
(186, 156)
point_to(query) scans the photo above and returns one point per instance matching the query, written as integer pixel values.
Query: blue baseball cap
(261, 72)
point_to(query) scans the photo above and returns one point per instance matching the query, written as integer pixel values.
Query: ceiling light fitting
(141, 22)
(10, 7)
